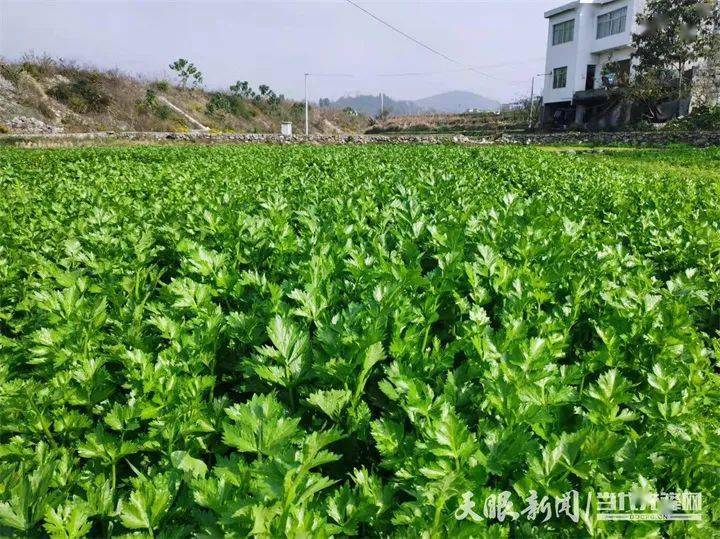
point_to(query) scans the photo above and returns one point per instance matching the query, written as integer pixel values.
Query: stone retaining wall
(655, 138)
(629, 138)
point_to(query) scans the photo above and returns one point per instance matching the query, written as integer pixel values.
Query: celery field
(304, 341)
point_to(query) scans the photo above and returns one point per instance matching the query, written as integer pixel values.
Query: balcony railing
(596, 94)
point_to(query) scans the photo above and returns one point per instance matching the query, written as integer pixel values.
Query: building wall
(587, 17)
(586, 48)
(706, 82)
(558, 56)
(616, 40)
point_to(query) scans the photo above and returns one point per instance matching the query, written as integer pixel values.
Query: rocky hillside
(48, 96)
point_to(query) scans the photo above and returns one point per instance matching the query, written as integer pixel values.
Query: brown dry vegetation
(81, 99)
(483, 123)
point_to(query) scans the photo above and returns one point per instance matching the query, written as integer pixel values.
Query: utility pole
(307, 129)
(532, 96)
(382, 103)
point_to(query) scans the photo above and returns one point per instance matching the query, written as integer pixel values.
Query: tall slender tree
(186, 70)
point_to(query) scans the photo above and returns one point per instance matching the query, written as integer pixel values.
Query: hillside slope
(51, 96)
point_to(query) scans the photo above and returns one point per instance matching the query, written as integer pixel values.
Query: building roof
(572, 5)
(561, 9)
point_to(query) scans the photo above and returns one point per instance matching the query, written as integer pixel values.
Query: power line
(425, 73)
(461, 70)
(515, 62)
(330, 74)
(396, 29)
(428, 47)
(422, 73)
(406, 74)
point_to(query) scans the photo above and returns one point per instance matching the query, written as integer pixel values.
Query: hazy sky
(275, 42)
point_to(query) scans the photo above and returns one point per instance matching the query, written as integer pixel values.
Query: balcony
(595, 95)
(614, 75)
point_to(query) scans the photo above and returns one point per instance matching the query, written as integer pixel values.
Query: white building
(585, 39)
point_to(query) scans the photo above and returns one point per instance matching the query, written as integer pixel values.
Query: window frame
(559, 74)
(560, 32)
(611, 23)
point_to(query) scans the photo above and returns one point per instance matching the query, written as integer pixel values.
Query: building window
(611, 23)
(560, 77)
(563, 32)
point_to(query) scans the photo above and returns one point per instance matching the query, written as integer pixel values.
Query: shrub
(82, 96)
(162, 85)
(10, 72)
(163, 112)
(704, 118)
(242, 89)
(34, 70)
(150, 105)
(231, 104)
(38, 67)
(150, 97)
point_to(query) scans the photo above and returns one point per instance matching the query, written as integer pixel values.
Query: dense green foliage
(230, 103)
(299, 341)
(83, 95)
(702, 118)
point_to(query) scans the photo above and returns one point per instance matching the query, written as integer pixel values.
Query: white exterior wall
(559, 56)
(585, 48)
(587, 24)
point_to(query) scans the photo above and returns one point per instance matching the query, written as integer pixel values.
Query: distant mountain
(370, 105)
(448, 102)
(457, 101)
